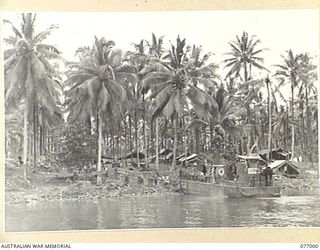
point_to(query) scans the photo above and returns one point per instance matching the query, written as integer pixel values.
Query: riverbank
(82, 190)
(40, 189)
(307, 182)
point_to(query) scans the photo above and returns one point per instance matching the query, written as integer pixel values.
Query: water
(164, 212)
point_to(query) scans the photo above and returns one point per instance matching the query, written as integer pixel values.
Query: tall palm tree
(96, 88)
(139, 60)
(172, 88)
(155, 53)
(267, 81)
(204, 76)
(244, 55)
(147, 55)
(290, 72)
(29, 75)
(307, 88)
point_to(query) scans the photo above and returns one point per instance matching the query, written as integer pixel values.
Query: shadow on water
(164, 212)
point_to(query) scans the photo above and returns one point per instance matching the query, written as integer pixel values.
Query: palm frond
(235, 68)
(15, 80)
(14, 29)
(162, 100)
(153, 79)
(48, 49)
(44, 34)
(234, 47)
(259, 66)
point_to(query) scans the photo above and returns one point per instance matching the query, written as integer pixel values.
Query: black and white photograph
(160, 120)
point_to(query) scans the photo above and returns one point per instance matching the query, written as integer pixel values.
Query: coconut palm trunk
(145, 131)
(302, 122)
(197, 140)
(292, 117)
(185, 143)
(34, 133)
(175, 140)
(307, 119)
(137, 137)
(309, 141)
(126, 142)
(118, 148)
(25, 142)
(269, 121)
(249, 140)
(41, 140)
(157, 144)
(99, 180)
(130, 138)
(245, 72)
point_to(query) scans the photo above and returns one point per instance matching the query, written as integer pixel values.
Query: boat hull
(202, 188)
(252, 192)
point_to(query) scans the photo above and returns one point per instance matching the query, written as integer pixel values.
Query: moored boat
(209, 182)
(201, 188)
(251, 192)
(254, 179)
(250, 179)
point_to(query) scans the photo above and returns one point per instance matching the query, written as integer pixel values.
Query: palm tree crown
(244, 54)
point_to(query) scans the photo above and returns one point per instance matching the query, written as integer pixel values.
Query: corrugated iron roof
(190, 157)
(250, 157)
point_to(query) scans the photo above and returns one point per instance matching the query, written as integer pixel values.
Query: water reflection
(164, 212)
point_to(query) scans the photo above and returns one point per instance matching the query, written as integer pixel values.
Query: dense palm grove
(117, 103)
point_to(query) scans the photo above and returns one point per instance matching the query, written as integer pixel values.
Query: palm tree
(138, 60)
(96, 88)
(267, 81)
(156, 52)
(146, 55)
(172, 87)
(307, 88)
(203, 75)
(244, 54)
(290, 72)
(29, 75)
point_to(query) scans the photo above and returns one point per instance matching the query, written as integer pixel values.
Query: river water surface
(164, 212)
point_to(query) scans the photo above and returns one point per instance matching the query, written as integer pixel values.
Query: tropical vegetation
(153, 98)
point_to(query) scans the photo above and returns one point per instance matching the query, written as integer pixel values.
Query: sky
(278, 30)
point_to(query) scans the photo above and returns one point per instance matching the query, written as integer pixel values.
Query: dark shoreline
(82, 190)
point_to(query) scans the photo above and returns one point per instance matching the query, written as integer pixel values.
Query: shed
(134, 155)
(284, 167)
(276, 154)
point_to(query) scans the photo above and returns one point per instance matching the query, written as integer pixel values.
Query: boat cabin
(252, 171)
